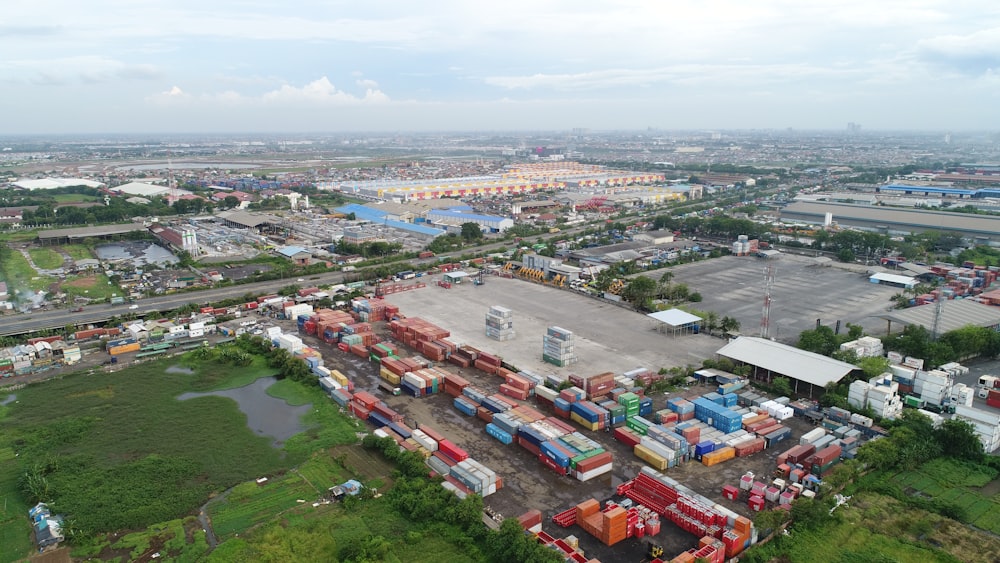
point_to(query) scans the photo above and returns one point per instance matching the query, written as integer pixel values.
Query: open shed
(676, 321)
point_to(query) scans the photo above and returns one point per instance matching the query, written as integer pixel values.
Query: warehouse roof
(248, 219)
(893, 278)
(916, 269)
(955, 314)
(51, 183)
(364, 213)
(789, 361)
(674, 317)
(96, 231)
(940, 220)
(140, 189)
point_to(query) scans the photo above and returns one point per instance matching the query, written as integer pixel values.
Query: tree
(873, 366)
(471, 232)
(729, 324)
(820, 340)
(231, 201)
(846, 255)
(782, 385)
(959, 439)
(639, 291)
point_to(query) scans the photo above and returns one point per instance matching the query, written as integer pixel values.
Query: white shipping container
(424, 440)
(812, 436)
(595, 472)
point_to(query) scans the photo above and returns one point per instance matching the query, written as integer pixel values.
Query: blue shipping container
(502, 435)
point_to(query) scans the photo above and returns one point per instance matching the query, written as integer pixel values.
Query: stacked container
(558, 347)
(500, 323)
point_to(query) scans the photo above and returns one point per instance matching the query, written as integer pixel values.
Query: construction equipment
(616, 287)
(655, 551)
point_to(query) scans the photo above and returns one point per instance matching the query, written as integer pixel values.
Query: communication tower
(765, 317)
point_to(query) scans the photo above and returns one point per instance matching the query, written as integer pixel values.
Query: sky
(313, 66)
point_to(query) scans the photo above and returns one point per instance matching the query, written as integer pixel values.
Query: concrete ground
(608, 337)
(804, 289)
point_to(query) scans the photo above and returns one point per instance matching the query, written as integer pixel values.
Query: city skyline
(112, 67)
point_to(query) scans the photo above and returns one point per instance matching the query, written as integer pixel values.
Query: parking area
(804, 289)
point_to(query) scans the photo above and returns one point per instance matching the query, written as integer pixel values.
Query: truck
(117, 300)
(986, 384)
(388, 387)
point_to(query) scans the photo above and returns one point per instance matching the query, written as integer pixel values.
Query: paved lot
(803, 291)
(608, 337)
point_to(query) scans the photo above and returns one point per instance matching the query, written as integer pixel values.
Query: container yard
(552, 450)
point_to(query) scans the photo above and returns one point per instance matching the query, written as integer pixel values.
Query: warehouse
(984, 229)
(142, 189)
(810, 373)
(363, 213)
(955, 314)
(464, 214)
(53, 183)
(60, 236)
(246, 220)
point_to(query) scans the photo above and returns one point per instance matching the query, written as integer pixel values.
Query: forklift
(654, 553)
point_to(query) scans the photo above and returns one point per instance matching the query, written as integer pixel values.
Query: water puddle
(266, 415)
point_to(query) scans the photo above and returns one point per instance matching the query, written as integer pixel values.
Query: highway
(58, 319)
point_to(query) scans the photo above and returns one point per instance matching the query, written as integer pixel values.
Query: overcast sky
(147, 66)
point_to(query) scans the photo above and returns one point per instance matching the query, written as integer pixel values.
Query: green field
(323, 533)
(74, 198)
(45, 258)
(119, 451)
(18, 273)
(958, 483)
(78, 251)
(873, 527)
(94, 286)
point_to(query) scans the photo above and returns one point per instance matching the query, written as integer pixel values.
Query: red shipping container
(993, 399)
(489, 359)
(749, 448)
(513, 392)
(484, 414)
(366, 399)
(551, 464)
(518, 382)
(452, 451)
(529, 446)
(626, 436)
(359, 411)
(730, 492)
(594, 462)
(384, 410)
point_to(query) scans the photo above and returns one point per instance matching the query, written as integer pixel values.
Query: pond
(138, 253)
(266, 415)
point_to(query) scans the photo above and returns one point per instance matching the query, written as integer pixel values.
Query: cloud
(320, 92)
(88, 69)
(324, 92)
(972, 53)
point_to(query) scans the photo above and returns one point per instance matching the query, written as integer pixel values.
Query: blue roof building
(363, 213)
(463, 214)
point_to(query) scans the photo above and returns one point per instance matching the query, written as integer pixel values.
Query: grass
(45, 258)
(874, 527)
(74, 198)
(124, 453)
(249, 504)
(957, 482)
(78, 251)
(307, 533)
(175, 540)
(18, 273)
(93, 286)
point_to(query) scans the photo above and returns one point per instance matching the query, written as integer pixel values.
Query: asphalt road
(52, 319)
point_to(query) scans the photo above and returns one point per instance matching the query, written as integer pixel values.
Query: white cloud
(318, 92)
(367, 84)
(321, 91)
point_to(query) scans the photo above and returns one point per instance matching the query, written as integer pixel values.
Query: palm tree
(711, 321)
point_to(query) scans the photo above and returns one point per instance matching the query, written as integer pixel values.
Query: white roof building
(773, 359)
(675, 320)
(141, 189)
(52, 183)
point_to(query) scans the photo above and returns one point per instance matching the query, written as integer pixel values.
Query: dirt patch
(60, 555)
(82, 282)
(366, 464)
(990, 489)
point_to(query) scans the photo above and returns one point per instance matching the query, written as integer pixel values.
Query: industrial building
(405, 190)
(955, 314)
(464, 214)
(676, 321)
(983, 229)
(810, 373)
(142, 189)
(53, 183)
(894, 280)
(61, 236)
(372, 215)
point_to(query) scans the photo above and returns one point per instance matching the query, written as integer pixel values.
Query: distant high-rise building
(947, 138)
(853, 127)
